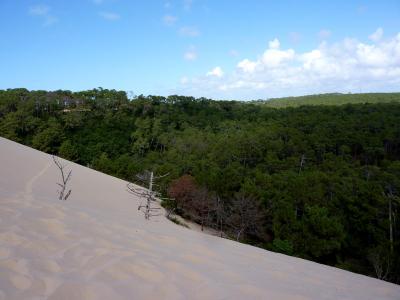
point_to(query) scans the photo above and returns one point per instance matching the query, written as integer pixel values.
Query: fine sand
(97, 245)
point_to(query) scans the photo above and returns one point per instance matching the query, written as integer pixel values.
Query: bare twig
(63, 195)
(147, 195)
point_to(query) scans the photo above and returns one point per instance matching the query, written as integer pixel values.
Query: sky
(220, 49)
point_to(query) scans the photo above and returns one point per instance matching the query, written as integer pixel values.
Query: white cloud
(346, 66)
(169, 20)
(43, 12)
(310, 59)
(189, 31)
(377, 35)
(190, 54)
(274, 57)
(371, 55)
(324, 34)
(109, 16)
(217, 72)
(274, 44)
(247, 66)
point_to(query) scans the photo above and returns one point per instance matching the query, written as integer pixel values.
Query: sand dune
(97, 245)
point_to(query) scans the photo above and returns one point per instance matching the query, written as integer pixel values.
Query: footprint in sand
(28, 195)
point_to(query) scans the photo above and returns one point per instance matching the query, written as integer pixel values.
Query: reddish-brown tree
(195, 201)
(183, 190)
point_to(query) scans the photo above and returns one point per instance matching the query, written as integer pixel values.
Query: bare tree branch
(65, 179)
(147, 195)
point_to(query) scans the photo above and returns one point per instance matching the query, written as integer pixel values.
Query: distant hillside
(333, 99)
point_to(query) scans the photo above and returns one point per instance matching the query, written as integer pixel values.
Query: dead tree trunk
(63, 195)
(220, 211)
(297, 211)
(381, 263)
(302, 162)
(391, 216)
(148, 195)
(149, 198)
(238, 234)
(390, 225)
(246, 216)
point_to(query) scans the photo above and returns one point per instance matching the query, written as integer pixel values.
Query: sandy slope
(96, 245)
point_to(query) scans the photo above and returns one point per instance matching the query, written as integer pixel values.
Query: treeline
(318, 182)
(332, 99)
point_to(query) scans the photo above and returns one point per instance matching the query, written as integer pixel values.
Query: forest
(320, 182)
(332, 99)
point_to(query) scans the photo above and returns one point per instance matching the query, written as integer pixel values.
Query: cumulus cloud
(346, 66)
(43, 12)
(217, 72)
(377, 35)
(247, 66)
(109, 16)
(273, 57)
(274, 44)
(189, 31)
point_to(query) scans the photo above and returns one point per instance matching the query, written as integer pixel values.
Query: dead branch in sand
(65, 178)
(148, 195)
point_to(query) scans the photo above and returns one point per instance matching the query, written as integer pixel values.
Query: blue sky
(215, 48)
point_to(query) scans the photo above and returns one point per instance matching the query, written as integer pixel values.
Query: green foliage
(322, 234)
(10, 127)
(314, 181)
(332, 99)
(177, 221)
(68, 151)
(103, 164)
(282, 246)
(50, 138)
